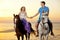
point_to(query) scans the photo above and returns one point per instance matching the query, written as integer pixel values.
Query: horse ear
(14, 15)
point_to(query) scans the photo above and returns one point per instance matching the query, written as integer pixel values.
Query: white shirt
(22, 16)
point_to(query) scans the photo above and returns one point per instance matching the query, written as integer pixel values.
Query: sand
(11, 35)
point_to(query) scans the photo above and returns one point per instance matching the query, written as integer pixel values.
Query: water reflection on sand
(7, 32)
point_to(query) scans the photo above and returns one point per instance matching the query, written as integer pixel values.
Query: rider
(45, 9)
(23, 16)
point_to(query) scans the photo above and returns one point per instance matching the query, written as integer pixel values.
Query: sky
(10, 7)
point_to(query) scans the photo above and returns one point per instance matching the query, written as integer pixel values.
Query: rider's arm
(35, 14)
(27, 16)
(47, 11)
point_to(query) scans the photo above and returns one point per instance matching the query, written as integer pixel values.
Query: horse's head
(16, 16)
(43, 20)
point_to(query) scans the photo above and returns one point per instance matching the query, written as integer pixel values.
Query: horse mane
(19, 24)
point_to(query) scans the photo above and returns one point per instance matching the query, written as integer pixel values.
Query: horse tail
(32, 31)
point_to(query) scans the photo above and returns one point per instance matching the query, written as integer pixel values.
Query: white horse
(43, 28)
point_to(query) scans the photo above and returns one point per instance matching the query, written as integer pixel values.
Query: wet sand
(11, 35)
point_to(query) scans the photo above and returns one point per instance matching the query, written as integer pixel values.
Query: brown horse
(20, 30)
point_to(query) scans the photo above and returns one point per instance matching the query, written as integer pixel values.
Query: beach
(7, 32)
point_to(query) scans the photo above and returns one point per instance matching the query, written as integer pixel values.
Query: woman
(23, 16)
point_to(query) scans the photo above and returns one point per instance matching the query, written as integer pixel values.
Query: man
(45, 9)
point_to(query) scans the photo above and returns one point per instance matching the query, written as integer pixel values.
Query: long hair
(23, 7)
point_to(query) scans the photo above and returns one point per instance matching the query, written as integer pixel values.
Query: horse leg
(18, 37)
(28, 36)
(22, 37)
(40, 36)
(40, 32)
(43, 38)
(47, 37)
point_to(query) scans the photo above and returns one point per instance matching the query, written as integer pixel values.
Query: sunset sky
(10, 7)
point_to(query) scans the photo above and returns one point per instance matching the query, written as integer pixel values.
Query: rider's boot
(52, 32)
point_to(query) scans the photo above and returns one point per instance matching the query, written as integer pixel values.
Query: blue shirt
(45, 9)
